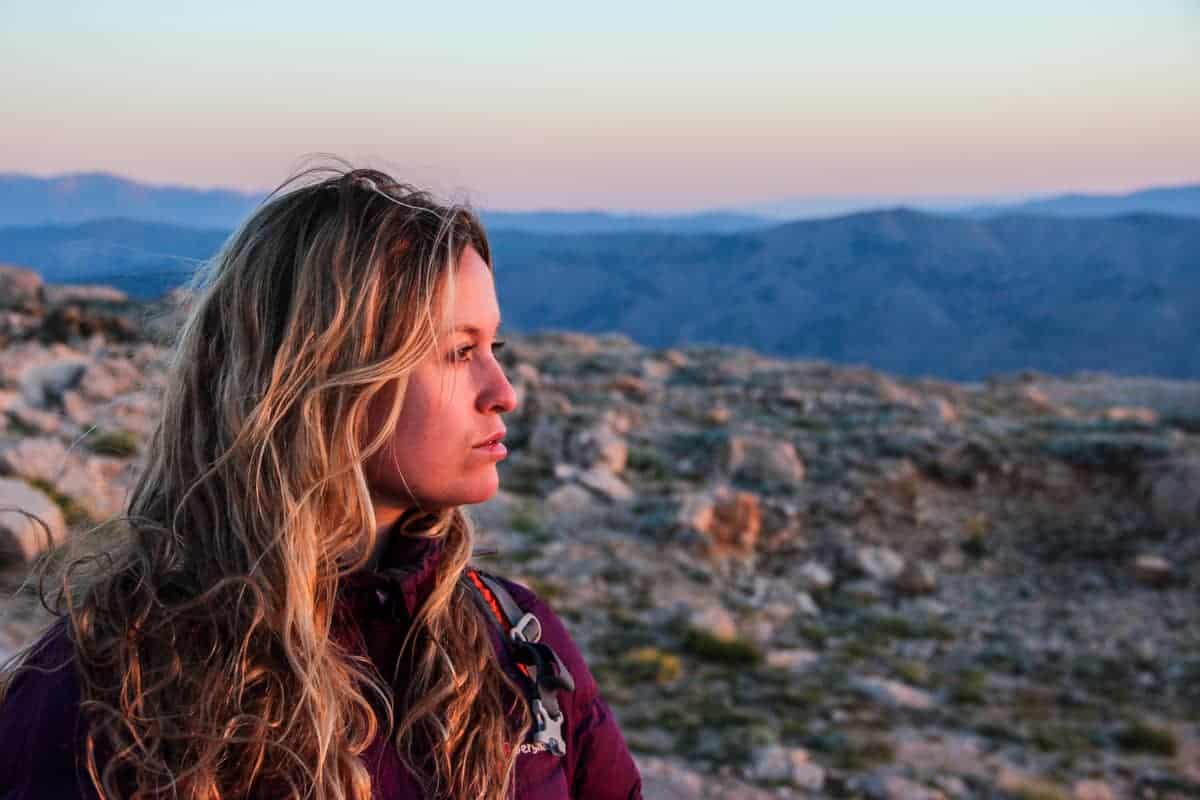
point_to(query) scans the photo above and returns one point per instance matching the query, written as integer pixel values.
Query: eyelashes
(463, 354)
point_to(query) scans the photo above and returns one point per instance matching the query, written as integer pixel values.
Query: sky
(654, 106)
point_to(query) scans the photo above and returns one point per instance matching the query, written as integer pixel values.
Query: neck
(386, 516)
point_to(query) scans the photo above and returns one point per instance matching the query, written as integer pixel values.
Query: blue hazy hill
(900, 290)
(1183, 201)
(90, 197)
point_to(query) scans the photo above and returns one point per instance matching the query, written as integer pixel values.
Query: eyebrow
(471, 329)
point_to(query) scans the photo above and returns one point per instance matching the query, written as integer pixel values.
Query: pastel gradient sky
(620, 105)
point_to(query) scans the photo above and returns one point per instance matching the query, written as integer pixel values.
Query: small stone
(606, 484)
(893, 693)
(1138, 414)
(863, 590)
(715, 621)
(790, 764)
(943, 410)
(675, 358)
(717, 415)
(877, 563)
(808, 776)
(814, 577)
(917, 578)
(570, 498)
(897, 787)
(1152, 570)
(1092, 790)
(632, 386)
(791, 660)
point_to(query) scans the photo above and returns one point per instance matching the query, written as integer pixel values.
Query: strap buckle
(527, 629)
(549, 728)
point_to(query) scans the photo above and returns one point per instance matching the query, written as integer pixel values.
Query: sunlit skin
(454, 401)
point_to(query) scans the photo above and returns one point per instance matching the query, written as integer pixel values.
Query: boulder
(34, 458)
(20, 289)
(728, 521)
(43, 385)
(770, 462)
(599, 447)
(30, 522)
(600, 481)
(1173, 490)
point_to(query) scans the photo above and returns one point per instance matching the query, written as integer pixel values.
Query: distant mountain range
(899, 290)
(84, 197)
(87, 197)
(1183, 201)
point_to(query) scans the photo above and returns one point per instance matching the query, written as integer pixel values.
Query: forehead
(473, 302)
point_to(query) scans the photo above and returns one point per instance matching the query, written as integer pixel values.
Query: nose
(498, 394)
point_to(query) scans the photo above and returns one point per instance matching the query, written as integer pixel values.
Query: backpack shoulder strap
(522, 633)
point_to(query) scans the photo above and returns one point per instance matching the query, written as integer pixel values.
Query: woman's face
(452, 404)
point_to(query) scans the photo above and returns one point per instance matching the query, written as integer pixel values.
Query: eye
(498, 344)
(463, 353)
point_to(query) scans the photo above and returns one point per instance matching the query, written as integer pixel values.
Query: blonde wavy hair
(205, 635)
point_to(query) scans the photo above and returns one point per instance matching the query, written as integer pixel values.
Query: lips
(495, 438)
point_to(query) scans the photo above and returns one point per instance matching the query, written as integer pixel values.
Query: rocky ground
(792, 579)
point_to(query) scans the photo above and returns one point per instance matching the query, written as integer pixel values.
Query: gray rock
(877, 563)
(771, 462)
(791, 660)
(897, 787)
(729, 522)
(814, 577)
(20, 289)
(1174, 493)
(776, 763)
(606, 484)
(570, 497)
(34, 458)
(892, 693)
(917, 578)
(61, 294)
(30, 522)
(600, 447)
(716, 621)
(43, 385)
(1152, 570)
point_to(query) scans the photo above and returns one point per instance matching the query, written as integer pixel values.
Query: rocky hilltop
(792, 578)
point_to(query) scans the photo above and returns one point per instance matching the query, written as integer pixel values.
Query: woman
(290, 610)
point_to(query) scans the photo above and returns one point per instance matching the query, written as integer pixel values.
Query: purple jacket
(41, 732)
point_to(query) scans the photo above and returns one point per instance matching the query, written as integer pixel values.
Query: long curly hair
(205, 630)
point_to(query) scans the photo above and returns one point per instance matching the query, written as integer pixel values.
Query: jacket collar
(406, 572)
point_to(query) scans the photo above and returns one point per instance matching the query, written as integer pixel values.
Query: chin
(481, 491)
